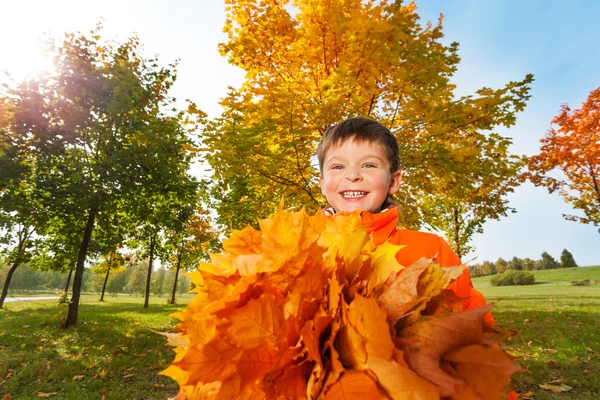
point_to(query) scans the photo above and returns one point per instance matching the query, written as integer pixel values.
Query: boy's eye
(337, 167)
(369, 166)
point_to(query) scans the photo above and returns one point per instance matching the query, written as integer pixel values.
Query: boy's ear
(321, 182)
(395, 181)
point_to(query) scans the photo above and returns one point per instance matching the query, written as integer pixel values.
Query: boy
(360, 170)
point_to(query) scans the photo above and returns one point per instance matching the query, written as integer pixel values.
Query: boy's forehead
(372, 147)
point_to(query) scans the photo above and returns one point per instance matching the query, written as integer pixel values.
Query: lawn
(559, 332)
(114, 352)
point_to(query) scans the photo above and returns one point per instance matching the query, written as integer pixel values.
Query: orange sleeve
(463, 286)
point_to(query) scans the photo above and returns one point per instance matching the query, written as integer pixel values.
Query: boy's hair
(360, 130)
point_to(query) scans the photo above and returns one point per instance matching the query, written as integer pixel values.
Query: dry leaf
(78, 378)
(46, 394)
(556, 389)
(353, 385)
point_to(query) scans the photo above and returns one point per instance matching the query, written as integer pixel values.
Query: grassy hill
(558, 275)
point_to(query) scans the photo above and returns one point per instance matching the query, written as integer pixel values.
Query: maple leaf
(246, 241)
(256, 323)
(401, 294)
(428, 340)
(214, 361)
(354, 384)
(484, 369)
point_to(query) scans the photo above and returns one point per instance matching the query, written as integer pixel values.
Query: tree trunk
(457, 234)
(149, 277)
(22, 246)
(87, 235)
(104, 285)
(68, 281)
(172, 299)
(7, 282)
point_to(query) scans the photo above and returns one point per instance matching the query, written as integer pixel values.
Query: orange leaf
(486, 369)
(246, 241)
(399, 381)
(368, 318)
(353, 385)
(401, 295)
(256, 323)
(213, 361)
(428, 340)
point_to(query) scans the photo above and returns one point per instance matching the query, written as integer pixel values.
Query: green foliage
(101, 147)
(511, 278)
(516, 264)
(567, 260)
(548, 262)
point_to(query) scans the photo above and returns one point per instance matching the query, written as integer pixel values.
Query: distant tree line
(130, 280)
(523, 264)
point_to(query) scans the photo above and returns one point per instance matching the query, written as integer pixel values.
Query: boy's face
(356, 176)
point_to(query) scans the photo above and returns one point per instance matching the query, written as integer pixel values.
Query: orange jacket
(422, 244)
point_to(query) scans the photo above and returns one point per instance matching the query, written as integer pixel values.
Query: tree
(308, 70)
(112, 262)
(157, 286)
(529, 264)
(188, 241)
(548, 262)
(516, 264)
(567, 260)
(569, 159)
(102, 137)
(501, 265)
(135, 283)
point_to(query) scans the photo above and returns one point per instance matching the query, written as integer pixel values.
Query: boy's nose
(353, 175)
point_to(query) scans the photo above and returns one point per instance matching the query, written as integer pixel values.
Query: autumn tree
(188, 242)
(102, 135)
(569, 159)
(111, 262)
(330, 60)
(501, 265)
(567, 260)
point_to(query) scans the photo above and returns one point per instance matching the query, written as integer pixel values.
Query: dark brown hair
(360, 130)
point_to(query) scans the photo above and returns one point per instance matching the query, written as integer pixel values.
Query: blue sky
(500, 41)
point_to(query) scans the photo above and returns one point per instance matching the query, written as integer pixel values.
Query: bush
(511, 278)
(581, 283)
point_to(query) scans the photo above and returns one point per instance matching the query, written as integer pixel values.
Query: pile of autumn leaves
(309, 307)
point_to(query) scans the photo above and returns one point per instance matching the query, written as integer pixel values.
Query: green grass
(559, 335)
(113, 346)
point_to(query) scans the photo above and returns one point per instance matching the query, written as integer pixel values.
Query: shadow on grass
(111, 352)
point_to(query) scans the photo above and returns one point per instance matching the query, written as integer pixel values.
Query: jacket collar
(381, 224)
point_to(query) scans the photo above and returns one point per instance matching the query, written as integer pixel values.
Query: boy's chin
(352, 207)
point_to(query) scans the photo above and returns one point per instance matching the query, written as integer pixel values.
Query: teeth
(353, 195)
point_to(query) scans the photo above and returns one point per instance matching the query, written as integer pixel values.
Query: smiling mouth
(353, 194)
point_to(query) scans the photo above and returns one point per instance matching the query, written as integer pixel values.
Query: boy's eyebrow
(341, 158)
